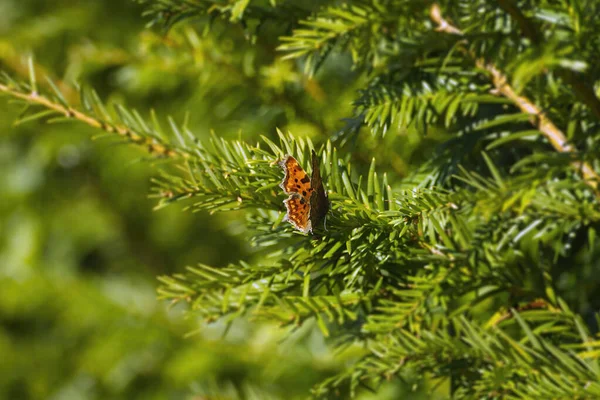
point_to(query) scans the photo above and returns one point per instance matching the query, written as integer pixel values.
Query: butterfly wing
(295, 180)
(319, 203)
(297, 184)
(298, 211)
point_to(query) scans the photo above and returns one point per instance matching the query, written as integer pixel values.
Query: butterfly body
(307, 203)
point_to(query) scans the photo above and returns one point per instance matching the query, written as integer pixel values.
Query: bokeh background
(81, 247)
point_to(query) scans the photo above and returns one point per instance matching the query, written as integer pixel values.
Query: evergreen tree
(468, 270)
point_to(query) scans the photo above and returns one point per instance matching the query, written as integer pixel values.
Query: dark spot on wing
(306, 179)
(301, 201)
(303, 194)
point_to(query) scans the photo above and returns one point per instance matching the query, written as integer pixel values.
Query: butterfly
(307, 204)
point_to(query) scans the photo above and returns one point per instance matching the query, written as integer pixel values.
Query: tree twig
(539, 119)
(13, 61)
(150, 144)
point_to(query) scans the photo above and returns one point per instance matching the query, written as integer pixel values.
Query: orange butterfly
(307, 204)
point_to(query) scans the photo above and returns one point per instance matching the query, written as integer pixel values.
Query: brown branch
(539, 119)
(151, 145)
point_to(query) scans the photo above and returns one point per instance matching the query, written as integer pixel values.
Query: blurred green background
(81, 248)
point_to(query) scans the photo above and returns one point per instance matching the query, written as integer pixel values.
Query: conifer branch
(58, 106)
(13, 61)
(539, 119)
(583, 91)
(473, 352)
